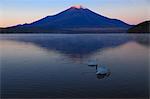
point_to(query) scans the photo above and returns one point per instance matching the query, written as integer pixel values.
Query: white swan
(101, 70)
(92, 63)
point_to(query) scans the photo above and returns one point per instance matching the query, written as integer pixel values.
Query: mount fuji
(76, 19)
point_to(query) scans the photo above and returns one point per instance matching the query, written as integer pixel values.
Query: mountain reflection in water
(79, 46)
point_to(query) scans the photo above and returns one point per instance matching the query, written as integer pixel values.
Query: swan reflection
(103, 76)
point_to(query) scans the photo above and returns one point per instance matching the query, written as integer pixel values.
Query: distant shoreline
(66, 31)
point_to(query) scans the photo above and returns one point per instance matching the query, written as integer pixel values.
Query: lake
(56, 65)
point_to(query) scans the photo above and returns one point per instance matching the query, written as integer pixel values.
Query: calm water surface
(55, 65)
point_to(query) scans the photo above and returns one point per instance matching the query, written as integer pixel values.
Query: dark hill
(141, 28)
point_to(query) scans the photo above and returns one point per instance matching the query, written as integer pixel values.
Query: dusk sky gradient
(13, 12)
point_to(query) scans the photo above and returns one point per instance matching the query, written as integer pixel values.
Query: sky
(13, 12)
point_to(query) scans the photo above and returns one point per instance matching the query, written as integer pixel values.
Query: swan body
(92, 63)
(101, 70)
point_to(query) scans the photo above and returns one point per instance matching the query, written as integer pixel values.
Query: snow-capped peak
(77, 7)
